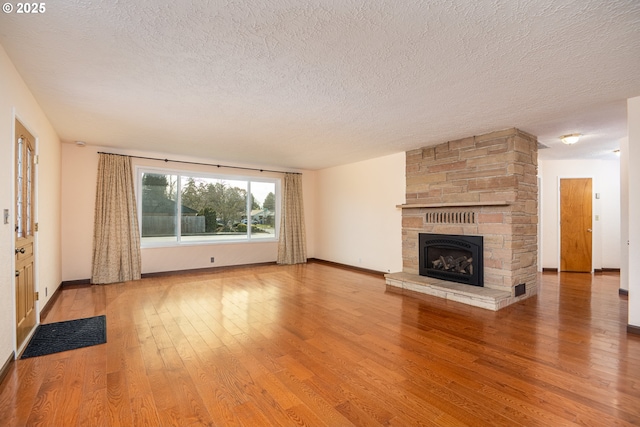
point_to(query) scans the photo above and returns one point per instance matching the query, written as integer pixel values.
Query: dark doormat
(69, 335)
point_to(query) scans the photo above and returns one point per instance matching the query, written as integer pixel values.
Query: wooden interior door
(575, 224)
(26, 318)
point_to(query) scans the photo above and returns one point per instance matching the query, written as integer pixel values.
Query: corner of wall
(17, 101)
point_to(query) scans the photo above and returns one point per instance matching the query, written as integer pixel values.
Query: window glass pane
(159, 210)
(183, 207)
(20, 189)
(263, 210)
(28, 191)
(213, 209)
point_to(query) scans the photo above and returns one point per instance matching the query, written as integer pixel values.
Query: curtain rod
(200, 164)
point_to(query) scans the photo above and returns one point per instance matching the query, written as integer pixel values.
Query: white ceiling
(313, 84)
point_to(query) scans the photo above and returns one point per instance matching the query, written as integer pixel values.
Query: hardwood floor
(322, 346)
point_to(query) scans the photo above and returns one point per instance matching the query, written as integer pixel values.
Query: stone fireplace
(484, 186)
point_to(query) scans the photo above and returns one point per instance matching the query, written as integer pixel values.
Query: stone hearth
(484, 186)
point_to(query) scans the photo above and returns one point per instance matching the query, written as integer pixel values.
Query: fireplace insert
(452, 257)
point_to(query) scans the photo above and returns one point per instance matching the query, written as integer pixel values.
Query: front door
(24, 232)
(575, 224)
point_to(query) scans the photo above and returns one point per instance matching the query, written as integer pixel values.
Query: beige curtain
(116, 236)
(292, 247)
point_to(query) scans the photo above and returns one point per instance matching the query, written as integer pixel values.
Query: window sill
(205, 243)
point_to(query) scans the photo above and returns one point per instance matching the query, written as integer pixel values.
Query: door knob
(17, 273)
(589, 230)
(21, 251)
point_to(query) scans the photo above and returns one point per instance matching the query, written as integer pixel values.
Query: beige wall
(357, 216)
(17, 100)
(79, 174)
(350, 216)
(606, 230)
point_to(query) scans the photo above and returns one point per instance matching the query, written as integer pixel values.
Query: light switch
(597, 217)
(597, 195)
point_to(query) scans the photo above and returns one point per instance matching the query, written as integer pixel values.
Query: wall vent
(451, 218)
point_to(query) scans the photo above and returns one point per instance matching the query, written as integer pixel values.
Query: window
(183, 207)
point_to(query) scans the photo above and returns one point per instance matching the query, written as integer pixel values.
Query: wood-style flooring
(316, 345)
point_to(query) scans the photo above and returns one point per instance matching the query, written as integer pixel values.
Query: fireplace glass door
(452, 257)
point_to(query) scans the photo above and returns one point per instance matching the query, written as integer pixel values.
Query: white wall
(606, 230)
(17, 100)
(632, 151)
(357, 215)
(79, 174)
(624, 214)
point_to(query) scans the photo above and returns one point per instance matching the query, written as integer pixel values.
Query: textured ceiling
(313, 84)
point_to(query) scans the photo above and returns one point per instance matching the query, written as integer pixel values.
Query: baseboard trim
(596, 270)
(204, 270)
(623, 292)
(347, 267)
(606, 270)
(87, 282)
(635, 330)
(72, 283)
(5, 368)
(47, 307)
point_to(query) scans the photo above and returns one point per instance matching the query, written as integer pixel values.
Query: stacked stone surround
(482, 185)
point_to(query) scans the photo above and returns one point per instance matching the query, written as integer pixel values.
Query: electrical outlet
(213, 260)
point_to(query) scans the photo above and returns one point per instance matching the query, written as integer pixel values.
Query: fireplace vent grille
(451, 217)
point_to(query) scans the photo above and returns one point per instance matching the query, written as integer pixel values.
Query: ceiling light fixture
(81, 143)
(571, 138)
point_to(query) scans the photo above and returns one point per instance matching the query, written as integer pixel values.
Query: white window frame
(247, 238)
